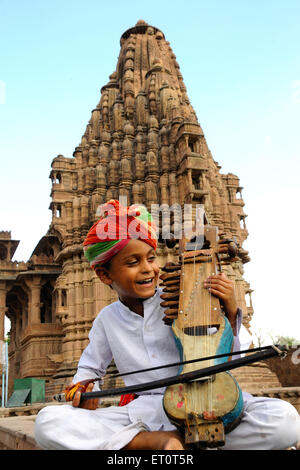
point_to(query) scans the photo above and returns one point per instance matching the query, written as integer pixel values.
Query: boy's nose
(147, 267)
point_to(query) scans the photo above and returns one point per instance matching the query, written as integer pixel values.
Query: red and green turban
(115, 228)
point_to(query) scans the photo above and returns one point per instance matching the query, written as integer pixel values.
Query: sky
(240, 62)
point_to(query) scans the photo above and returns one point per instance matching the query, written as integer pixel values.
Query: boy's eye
(134, 261)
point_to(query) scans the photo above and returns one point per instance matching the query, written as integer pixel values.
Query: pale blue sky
(240, 61)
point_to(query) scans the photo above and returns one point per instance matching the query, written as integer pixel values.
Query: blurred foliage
(286, 341)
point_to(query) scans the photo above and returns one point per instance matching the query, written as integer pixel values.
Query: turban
(115, 228)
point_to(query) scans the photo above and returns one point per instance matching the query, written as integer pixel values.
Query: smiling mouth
(146, 282)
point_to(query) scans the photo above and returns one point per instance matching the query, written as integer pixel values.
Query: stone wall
(288, 369)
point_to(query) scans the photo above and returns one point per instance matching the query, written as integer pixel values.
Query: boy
(132, 332)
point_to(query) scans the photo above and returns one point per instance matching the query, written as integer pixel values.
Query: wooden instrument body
(209, 407)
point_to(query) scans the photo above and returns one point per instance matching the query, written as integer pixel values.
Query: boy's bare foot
(156, 440)
(173, 443)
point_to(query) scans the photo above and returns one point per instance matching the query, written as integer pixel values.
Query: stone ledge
(26, 410)
(289, 394)
(274, 392)
(17, 433)
(17, 423)
(17, 426)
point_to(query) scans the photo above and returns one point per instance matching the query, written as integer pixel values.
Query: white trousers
(267, 424)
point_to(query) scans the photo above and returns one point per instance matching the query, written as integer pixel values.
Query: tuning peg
(170, 267)
(170, 295)
(169, 303)
(168, 321)
(173, 288)
(167, 277)
(171, 242)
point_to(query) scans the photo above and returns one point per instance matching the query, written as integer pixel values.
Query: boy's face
(133, 272)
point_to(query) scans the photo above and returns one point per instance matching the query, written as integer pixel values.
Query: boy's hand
(90, 404)
(222, 287)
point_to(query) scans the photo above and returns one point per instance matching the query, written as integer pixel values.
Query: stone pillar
(59, 301)
(34, 309)
(2, 309)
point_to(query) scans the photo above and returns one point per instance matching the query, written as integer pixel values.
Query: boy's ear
(104, 276)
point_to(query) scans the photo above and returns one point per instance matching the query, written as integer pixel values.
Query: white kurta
(135, 343)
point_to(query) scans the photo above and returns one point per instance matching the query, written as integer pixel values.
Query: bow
(264, 353)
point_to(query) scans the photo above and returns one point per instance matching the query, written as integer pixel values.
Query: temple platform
(17, 423)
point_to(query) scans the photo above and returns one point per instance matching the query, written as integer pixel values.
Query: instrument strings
(209, 332)
(200, 307)
(204, 340)
(198, 310)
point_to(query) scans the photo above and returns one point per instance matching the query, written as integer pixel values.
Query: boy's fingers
(217, 285)
(76, 399)
(218, 282)
(220, 278)
(85, 403)
(217, 293)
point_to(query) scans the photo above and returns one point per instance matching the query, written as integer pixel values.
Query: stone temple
(143, 142)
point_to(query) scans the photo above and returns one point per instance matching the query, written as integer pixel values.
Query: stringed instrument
(204, 409)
